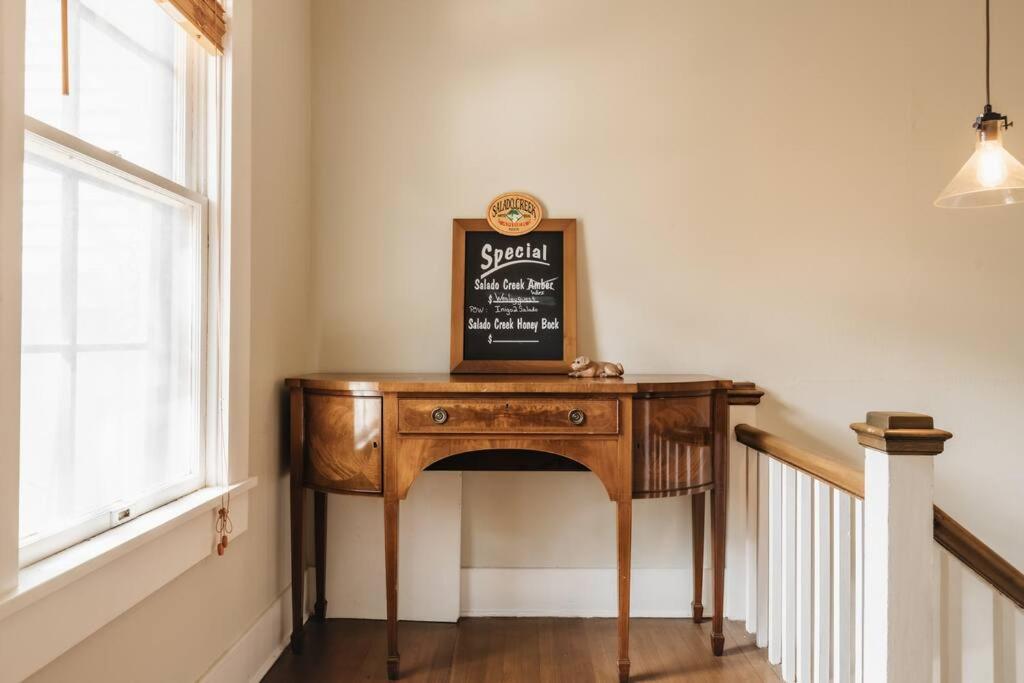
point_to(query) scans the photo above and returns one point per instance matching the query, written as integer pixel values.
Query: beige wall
(180, 631)
(753, 183)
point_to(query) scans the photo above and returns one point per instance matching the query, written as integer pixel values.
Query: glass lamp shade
(991, 177)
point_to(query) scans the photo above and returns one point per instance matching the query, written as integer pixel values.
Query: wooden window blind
(203, 19)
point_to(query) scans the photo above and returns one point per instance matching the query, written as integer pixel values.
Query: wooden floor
(523, 650)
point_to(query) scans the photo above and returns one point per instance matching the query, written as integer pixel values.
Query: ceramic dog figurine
(584, 367)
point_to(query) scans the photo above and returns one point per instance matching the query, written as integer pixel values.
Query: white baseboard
(251, 657)
(568, 592)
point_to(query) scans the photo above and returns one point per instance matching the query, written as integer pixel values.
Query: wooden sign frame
(459, 364)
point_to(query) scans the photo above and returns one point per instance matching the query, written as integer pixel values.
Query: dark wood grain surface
(507, 415)
(507, 384)
(530, 650)
(671, 445)
(343, 435)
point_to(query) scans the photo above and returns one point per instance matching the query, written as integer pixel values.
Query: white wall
(180, 631)
(753, 183)
(429, 538)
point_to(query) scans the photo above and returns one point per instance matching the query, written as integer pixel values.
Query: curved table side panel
(342, 443)
(671, 446)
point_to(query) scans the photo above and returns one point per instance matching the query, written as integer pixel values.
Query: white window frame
(200, 113)
(72, 152)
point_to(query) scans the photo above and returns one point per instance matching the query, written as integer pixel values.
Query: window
(115, 269)
(128, 78)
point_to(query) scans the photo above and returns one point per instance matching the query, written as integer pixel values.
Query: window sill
(84, 587)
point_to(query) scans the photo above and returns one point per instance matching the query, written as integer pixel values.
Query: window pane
(126, 67)
(43, 316)
(45, 378)
(111, 349)
(116, 264)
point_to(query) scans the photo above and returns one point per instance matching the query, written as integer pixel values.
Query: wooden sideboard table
(643, 436)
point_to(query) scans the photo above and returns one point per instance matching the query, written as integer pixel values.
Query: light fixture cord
(988, 56)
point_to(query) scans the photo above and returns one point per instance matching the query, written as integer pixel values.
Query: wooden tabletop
(514, 384)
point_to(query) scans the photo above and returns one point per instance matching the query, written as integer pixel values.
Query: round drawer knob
(439, 416)
(577, 416)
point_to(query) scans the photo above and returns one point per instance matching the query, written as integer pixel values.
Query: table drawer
(507, 415)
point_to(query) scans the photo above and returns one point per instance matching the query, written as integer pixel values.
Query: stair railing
(836, 566)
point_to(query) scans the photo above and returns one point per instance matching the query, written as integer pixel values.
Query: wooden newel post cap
(745, 394)
(901, 433)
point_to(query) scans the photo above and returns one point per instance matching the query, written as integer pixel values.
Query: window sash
(84, 112)
(89, 159)
(91, 525)
(71, 152)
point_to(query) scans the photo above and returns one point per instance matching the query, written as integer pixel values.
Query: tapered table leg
(719, 500)
(297, 573)
(391, 577)
(625, 533)
(718, 562)
(297, 500)
(320, 550)
(697, 506)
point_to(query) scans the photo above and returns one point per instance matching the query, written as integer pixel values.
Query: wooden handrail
(960, 542)
(985, 562)
(828, 470)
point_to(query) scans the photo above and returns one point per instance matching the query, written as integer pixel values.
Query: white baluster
(774, 562)
(1005, 665)
(822, 582)
(762, 550)
(1018, 631)
(950, 610)
(750, 546)
(978, 619)
(844, 590)
(938, 614)
(789, 571)
(898, 481)
(804, 576)
(858, 591)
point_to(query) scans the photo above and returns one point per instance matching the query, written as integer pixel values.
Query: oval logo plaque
(514, 213)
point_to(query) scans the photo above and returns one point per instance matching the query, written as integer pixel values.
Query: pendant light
(991, 177)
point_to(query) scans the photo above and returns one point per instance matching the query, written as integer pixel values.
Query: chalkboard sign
(513, 298)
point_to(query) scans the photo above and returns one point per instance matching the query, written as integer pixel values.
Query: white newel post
(898, 554)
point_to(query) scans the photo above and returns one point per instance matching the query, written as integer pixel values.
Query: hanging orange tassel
(224, 527)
